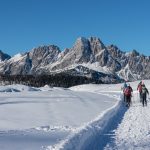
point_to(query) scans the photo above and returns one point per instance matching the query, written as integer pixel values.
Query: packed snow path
(134, 130)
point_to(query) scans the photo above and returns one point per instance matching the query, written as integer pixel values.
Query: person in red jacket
(139, 88)
(128, 93)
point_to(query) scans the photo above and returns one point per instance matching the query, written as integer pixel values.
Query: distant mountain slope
(88, 57)
(4, 56)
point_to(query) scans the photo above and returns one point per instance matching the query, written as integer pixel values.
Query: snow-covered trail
(134, 130)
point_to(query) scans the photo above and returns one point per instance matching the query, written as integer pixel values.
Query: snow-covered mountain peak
(81, 39)
(97, 42)
(46, 49)
(85, 52)
(17, 57)
(81, 44)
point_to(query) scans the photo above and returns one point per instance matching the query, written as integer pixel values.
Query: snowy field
(80, 118)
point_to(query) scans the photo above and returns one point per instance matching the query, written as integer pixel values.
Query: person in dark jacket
(144, 95)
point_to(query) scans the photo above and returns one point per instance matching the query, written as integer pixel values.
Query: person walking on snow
(123, 88)
(144, 95)
(139, 88)
(128, 94)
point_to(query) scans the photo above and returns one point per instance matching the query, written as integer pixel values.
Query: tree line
(57, 80)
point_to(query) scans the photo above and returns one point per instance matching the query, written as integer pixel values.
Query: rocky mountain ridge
(88, 57)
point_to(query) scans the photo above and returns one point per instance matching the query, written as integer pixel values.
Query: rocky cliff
(88, 57)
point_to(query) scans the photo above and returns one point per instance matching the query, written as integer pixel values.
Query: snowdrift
(84, 137)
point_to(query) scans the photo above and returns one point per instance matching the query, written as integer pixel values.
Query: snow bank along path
(92, 135)
(134, 130)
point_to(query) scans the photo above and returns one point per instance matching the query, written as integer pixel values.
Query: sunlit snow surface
(33, 118)
(43, 118)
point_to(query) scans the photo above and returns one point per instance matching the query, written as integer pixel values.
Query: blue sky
(25, 24)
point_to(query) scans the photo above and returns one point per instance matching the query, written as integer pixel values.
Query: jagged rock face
(44, 55)
(85, 52)
(102, 58)
(118, 55)
(4, 56)
(106, 59)
(80, 53)
(82, 50)
(32, 62)
(90, 50)
(96, 45)
(133, 65)
(140, 65)
(23, 67)
(20, 64)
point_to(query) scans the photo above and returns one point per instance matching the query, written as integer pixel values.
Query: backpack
(140, 88)
(144, 90)
(127, 91)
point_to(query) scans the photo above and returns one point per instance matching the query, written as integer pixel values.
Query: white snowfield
(85, 117)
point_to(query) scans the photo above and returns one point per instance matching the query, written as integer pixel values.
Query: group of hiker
(141, 88)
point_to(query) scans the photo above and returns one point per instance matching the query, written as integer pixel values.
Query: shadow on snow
(100, 140)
